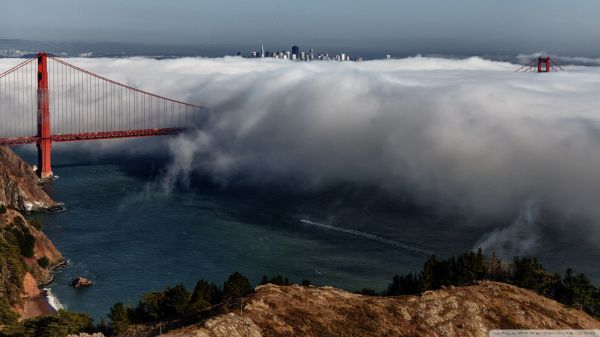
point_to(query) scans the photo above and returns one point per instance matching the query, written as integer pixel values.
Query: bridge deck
(93, 136)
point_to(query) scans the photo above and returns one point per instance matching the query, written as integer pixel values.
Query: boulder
(81, 282)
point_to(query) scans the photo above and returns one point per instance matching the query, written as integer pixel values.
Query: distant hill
(25, 48)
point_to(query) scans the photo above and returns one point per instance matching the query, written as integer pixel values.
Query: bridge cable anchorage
(52, 100)
(541, 65)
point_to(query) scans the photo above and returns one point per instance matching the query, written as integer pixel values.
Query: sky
(401, 26)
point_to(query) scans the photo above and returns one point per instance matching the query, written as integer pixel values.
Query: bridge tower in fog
(44, 142)
(54, 101)
(543, 64)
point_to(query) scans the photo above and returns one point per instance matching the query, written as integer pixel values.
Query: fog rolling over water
(468, 135)
(517, 154)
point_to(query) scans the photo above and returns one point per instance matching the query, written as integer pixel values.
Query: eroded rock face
(19, 184)
(327, 312)
(20, 193)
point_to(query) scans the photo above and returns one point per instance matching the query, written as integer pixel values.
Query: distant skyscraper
(262, 51)
(295, 51)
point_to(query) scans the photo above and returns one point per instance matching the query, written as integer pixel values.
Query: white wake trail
(369, 236)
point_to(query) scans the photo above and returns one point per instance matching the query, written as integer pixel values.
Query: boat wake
(370, 236)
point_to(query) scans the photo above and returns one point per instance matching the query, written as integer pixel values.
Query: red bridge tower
(44, 142)
(543, 64)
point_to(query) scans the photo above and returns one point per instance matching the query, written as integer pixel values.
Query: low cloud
(464, 134)
(521, 238)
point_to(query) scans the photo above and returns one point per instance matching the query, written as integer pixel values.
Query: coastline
(43, 302)
(36, 301)
(46, 303)
(40, 300)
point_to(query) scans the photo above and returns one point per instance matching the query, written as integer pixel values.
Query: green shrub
(7, 315)
(277, 280)
(119, 318)
(21, 237)
(367, 292)
(236, 286)
(150, 307)
(18, 221)
(12, 271)
(24, 240)
(43, 262)
(404, 285)
(62, 324)
(176, 300)
(206, 292)
(197, 307)
(35, 223)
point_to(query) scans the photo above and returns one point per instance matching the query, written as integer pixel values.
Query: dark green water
(129, 236)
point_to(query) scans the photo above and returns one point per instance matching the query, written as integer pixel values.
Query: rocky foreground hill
(327, 312)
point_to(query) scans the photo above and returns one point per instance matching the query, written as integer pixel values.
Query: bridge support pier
(44, 143)
(44, 154)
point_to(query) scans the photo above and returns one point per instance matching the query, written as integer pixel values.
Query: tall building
(262, 51)
(295, 51)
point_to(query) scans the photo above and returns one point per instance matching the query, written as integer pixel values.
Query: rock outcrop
(19, 185)
(328, 312)
(79, 282)
(25, 249)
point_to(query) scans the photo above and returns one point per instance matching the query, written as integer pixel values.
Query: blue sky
(567, 27)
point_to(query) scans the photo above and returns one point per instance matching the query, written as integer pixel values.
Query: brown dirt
(275, 311)
(35, 303)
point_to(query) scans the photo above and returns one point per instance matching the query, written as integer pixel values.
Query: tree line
(571, 289)
(207, 299)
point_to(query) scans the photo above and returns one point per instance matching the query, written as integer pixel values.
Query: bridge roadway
(92, 136)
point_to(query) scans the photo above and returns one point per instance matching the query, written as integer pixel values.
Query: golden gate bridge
(45, 100)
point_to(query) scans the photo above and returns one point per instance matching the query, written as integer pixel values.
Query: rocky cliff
(328, 312)
(19, 184)
(26, 254)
